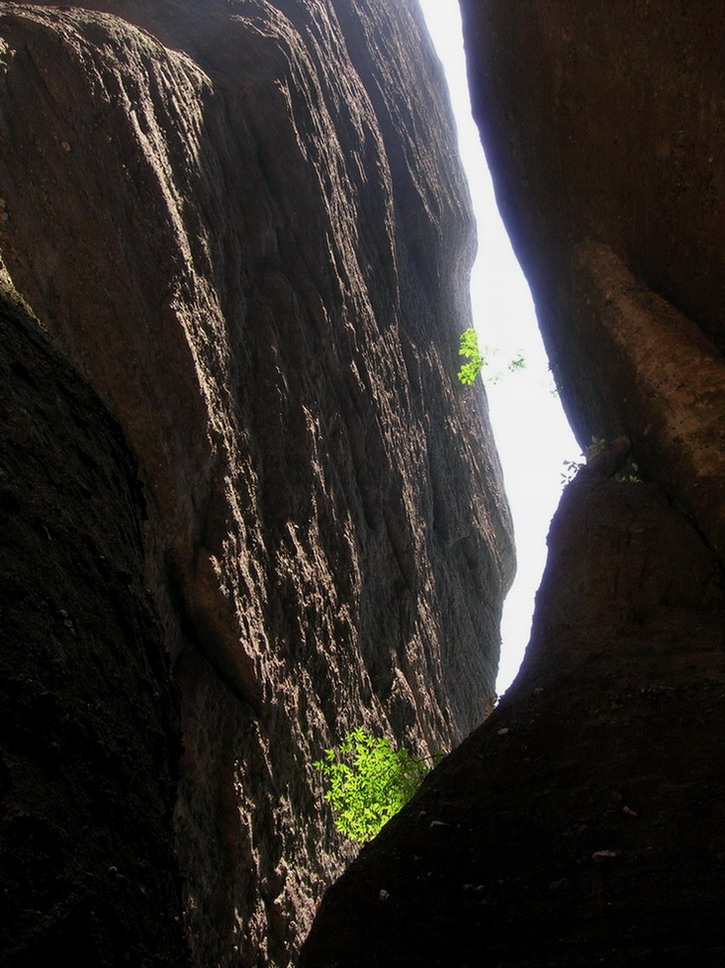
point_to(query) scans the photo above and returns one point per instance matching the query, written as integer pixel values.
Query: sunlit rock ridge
(247, 504)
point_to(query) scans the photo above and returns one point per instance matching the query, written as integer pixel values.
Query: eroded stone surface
(245, 223)
(581, 824)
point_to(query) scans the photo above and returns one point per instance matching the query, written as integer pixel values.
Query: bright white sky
(532, 434)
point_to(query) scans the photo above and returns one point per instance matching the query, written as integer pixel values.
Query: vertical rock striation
(245, 224)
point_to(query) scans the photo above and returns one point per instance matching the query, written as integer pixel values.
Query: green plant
(477, 360)
(369, 782)
(469, 348)
(556, 385)
(570, 469)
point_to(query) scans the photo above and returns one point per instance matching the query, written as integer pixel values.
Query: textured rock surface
(244, 223)
(89, 741)
(583, 822)
(603, 128)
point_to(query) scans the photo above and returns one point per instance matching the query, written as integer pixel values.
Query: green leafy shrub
(630, 476)
(369, 782)
(469, 348)
(477, 360)
(570, 469)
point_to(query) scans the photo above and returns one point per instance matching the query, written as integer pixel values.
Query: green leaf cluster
(477, 360)
(469, 348)
(369, 782)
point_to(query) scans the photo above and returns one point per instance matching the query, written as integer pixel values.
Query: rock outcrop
(245, 225)
(582, 823)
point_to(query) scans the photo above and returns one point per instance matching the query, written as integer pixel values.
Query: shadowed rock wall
(245, 223)
(602, 124)
(89, 743)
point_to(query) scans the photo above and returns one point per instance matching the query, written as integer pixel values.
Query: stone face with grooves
(245, 224)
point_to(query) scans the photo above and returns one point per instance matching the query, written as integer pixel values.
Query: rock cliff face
(244, 224)
(603, 130)
(582, 823)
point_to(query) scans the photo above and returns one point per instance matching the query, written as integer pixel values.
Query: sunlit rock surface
(245, 224)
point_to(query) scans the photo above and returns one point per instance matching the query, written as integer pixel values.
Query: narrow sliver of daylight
(532, 433)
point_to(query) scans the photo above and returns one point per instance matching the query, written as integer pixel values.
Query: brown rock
(606, 460)
(602, 125)
(89, 730)
(246, 225)
(588, 806)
